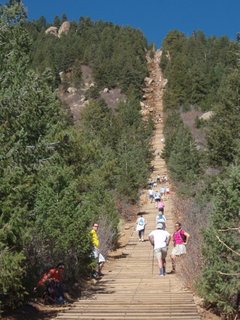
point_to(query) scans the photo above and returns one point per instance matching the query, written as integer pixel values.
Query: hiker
(96, 253)
(158, 178)
(162, 191)
(160, 218)
(52, 281)
(140, 227)
(160, 239)
(151, 194)
(160, 205)
(167, 190)
(157, 196)
(180, 239)
(150, 183)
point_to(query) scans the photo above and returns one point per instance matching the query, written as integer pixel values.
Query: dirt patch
(87, 74)
(198, 134)
(112, 97)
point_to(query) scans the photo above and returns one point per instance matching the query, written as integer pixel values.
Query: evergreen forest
(57, 178)
(203, 160)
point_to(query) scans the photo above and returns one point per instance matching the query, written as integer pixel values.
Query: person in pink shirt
(180, 239)
(160, 205)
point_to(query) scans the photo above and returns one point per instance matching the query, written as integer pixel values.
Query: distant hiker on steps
(151, 194)
(160, 218)
(160, 239)
(141, 223)
(160, 206)
(180, 239)
(157, 196)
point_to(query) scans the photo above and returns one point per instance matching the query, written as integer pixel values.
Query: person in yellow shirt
(96, 253)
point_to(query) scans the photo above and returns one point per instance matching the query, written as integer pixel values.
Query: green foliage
(195, 67)
(199, 77)
(57, 179)
(116, 54)
(11, 275)
(223, 133)
(220, 277)
(183, 159)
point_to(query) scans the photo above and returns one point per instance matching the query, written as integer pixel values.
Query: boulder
(148, 80)
(71, 90)
(83, 98)
(105, 90)
(206, 116)
(144, 112)
(142, 104)
(64, 28)
(61, 75)
(164, 83)
(52, 30)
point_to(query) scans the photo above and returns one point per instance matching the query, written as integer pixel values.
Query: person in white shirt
(151, 194)
(160, 239)
(140, 227)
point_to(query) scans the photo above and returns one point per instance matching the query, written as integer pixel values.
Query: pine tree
(223, 133)
(220, 277)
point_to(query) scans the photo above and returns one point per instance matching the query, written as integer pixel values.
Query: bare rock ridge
(77, 98)
(131, 287)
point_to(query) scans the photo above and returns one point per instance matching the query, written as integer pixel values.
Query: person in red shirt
(52, 280)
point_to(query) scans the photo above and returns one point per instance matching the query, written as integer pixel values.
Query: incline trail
(130, 288)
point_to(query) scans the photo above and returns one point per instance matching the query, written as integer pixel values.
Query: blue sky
(155, 18)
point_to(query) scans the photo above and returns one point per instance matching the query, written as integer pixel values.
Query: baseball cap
(159, 226)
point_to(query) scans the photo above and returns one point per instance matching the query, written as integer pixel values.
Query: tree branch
(230, 229)
(237, 253)
(228, 274)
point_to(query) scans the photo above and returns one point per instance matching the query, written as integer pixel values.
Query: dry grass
(194, 221)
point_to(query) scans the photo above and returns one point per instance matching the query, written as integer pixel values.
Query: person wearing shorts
(180, 239)
(160, 239)
(96, 253)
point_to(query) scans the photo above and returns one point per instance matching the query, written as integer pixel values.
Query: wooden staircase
(132, 287)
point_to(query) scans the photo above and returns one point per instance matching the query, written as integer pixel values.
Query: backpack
(184, 238)
(141, 222)
(182, 235)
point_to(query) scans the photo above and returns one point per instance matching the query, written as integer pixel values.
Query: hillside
(57, 178)
(202, 154)
(80, 103)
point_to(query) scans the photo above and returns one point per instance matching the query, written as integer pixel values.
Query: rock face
(52, 30)
(71, 90)
(207, 115)
(64, 28)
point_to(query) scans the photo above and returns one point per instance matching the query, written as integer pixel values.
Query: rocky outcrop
(65, 27)
(154, 87)
(71, 90)
(52, 30)
(206, 116)
(148, 81)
